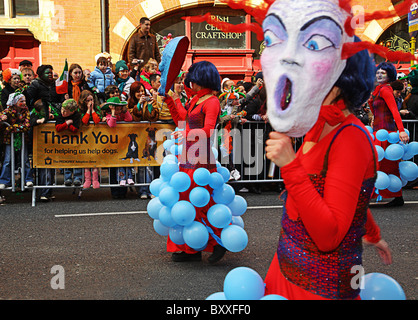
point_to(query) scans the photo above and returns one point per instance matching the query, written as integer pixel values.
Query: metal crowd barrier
(247, 157)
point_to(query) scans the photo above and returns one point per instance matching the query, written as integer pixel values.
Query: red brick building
(49, 31)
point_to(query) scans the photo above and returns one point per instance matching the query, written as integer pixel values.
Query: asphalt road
(108, 249)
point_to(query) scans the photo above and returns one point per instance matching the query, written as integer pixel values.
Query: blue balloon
(183, 213)
(413, 147)
(408, 170)
(167, 169)
(201, 177)
(370, 129)
(243, 283)
(382, 135)
(393, 137)
(225, 173)
(199, 197)
(215, 153)
(196, 235)
(176, 235)
(238, 206)
(224, 195)
(216, 180)
(167, 144)
(394, 152)
(154, 186)
(380, 153)
(153, 208)
(234, 238)
(382, 181)
(237, 220)
(161, 229)
(273, 297)
(217, 296)
(176, 149)
(165, 217)
(169, 196)
(219, 216)
(170, 158)
(408, 152)
(395, 183)
(180, 181)
(378, 286)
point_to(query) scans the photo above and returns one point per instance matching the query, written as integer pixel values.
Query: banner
(126, 145)
(413, 20)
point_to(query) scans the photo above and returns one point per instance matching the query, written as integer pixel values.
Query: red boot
(96, 183)
(87, 179)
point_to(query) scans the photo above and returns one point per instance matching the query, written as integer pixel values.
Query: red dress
(203, 116)
(386, 116)
(321, 236)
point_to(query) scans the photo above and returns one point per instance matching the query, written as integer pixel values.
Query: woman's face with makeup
(301, 61)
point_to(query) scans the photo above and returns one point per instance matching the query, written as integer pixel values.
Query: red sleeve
(328, 219)
(86, 119)
(372, 229)
(96, 118)
(387, 94)
(178, 112)
(61, 127)
(72, 128)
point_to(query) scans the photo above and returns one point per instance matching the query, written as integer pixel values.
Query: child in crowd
(18, 117)
(101, 77)
(38, 116)
(119, 112)
(149, 69)
(90, 110)
(70, 119)
(123, 80)
(144, 108)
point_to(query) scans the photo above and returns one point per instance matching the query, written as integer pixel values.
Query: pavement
(107, 249)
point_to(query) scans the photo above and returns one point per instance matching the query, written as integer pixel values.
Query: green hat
(115, 101)
(121, 65)
(70, 105)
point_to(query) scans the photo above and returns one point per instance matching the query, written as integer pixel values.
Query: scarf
(76, 90)
(121, 83)
(331, 114)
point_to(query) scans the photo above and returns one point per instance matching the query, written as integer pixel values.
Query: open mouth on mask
(283, 95)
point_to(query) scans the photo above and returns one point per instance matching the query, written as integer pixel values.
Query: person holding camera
(143, 45)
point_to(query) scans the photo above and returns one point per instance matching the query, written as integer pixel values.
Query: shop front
(236, 55)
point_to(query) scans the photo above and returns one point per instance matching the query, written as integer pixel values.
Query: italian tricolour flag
(61, 83)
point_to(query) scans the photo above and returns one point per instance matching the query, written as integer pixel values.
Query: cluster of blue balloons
(177, 218)
(243, 283)
(378, 286)
(394, 152)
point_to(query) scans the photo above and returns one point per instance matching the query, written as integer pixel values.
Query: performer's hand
(279, 149)
(178, 135)
(382, 249)
(403, 136)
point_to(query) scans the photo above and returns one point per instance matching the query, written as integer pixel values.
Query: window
(26, 7)
(1, 8)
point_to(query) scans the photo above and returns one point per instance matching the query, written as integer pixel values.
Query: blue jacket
(101, 81)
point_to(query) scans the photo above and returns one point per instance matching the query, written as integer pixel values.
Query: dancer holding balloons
(198, 119)
(387, 119)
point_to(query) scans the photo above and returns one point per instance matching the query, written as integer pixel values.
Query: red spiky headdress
(349, 49)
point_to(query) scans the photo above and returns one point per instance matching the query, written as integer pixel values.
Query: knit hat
(9, 73)
(14, 98)
(70, 105)
(121, 65)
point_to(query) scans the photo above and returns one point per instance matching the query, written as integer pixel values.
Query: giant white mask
(302, 60)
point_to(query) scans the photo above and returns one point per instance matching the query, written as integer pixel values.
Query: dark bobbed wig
(357, 79)
(204, 74)
(390, 69)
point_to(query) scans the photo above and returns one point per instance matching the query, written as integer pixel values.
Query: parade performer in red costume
(199, 117)
(387, 116)
(316, 74)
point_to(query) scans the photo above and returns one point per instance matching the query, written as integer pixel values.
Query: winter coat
(144, 47)
(101, 80)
